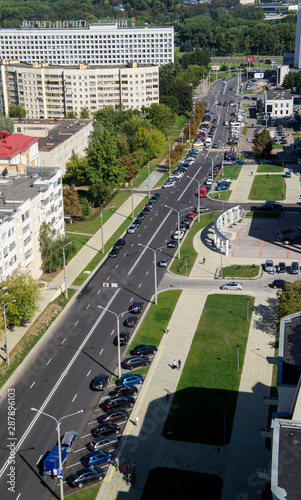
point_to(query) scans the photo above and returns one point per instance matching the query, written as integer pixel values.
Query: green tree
(260, 106)
(289, 80)
(76, 169)
(72, 205)
(160, 116)
(71, 115)
(16, 111)
(51, 246)
(290, 299)
(25, 291)
(6, 124)
(263, 143)
(86, 208)
(84, 113)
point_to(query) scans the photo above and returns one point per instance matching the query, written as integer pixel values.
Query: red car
(191, 215)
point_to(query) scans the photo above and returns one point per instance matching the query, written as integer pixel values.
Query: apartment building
(52, 91)
(27, 200)
(74, 42)
(19, 150)
(59, 139)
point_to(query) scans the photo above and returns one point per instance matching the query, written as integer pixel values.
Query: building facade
(51, 92)
(59, 139)
(27, 200)
(74, 42)
(297, 57)
(278, 103)
(19, 150)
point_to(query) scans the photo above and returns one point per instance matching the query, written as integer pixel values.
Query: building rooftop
(82, 66)
(291, 363)
(11, 145)
(15, 189)
(277, 95)
(290, 460)
(58, 134)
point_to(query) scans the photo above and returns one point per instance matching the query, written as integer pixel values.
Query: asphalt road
(56, 380)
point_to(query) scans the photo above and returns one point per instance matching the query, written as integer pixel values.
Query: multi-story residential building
(27, 200)
(59, 139)
(74, 42)
(52, 91)
(18, 149)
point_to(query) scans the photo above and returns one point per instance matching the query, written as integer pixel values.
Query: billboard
(250, 59)
(258, 75)
(216, 67)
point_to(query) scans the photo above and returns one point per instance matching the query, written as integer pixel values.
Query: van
(208, 141)
(69, 440)
(226, 123)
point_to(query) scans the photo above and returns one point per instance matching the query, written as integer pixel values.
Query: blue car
(96, 458)
(222, 188)
(130, 379)
(240, 162)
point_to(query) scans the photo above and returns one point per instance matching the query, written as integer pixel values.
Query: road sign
(216, 67)
(250, 59)
(60, 474)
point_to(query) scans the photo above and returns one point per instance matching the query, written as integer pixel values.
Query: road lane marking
(32, 385)
(73, 465)
(88, 306)
(63, 341)
(74, 398)
(75, 323)
(88, 373)
(112, 331)
(101, 352)
(39, 459)
(48, 361)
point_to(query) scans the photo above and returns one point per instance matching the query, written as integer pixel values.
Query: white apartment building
(74, 42)
(278, 103)
(27, 200)
(19, 150)
(52, 91)
(59, 139)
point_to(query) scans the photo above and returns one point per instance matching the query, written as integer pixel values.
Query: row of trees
(292, 79)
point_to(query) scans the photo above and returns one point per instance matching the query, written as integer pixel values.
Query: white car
(209, 182)
(178, 235)
(234, 285)
(169, 184)
(132, 228)
(224, 179)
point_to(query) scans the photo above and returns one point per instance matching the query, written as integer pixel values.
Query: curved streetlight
(58, 427)
(64, 264)
(199, 187)
(178, 212)
(118, 335)
(5, 330)
(101, 227)
(155, 266)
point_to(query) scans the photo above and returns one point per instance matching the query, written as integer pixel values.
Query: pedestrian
(136, 421)
(167, 397)
(133, 479)
(167, 329)
(251, 173)
(218, 196)
(116, 463)
(204, 260)
(125, 468)
(128, 478)
(174, 364)
(134, 467)
(54, 473)
(44, 473)
(274, 270)
(179, 364)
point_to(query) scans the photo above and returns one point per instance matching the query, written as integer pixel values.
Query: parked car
(82, 477)
(221, 187)
(105, 429)
(103, 442)
(124, 337)
(96, 458)
(294, 268)
(172, 244)
(279, 283)
(163, 263)
(117, 402)
(178, 235)
(286, 236)
(144, 349)
(132, 228)
(287, 174)
(132, 362)
(274, 203)
(233, 285)
(100, 382)
(114, 252)
(201, 209)
(136, 307)
(240, 162)
(120, 243)
(269, 266)
(281, 267)
(131, 321)
(114, 415)
(190, 215)
(130, 379)
(124, 390)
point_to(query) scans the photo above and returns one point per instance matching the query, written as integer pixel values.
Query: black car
(124, 337)
(141, 216)
(281, 267)
(131, 321)
(266, 208)
(99, 383)
(279, 283)
(117, 402)
(146, 209)
(114, 252)
(132, 362)
(103, 442)
(144, 349)
(172, 244)
(120, 243)
(124, 390)
(273, 203)
(85, 476)
(114, 415)
(183, 226)
(156, 195)
(137, 221)
(105, 429)
(136, 307)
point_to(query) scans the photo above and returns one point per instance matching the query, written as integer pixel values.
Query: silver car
(132, 228)
(234, 285)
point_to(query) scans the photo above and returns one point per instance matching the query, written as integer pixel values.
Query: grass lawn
(175, 483)
(269, 168)
(143, 174)
(78, 240)
(210, 377)
(277, 146)
(85, 494)
(296, 137)
(267, 187)
(244, 131)
(188, 253)
(230, 172)
(224, 195)
(91, 225)
(264, 215)
(237, 271)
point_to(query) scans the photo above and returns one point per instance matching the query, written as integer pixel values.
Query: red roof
(14, 144)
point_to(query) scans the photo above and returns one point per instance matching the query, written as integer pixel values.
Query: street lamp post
(199, 186)
(132, 185)
(5, 330)
(178, 212)
(64, 264)
(101, 227)
(58, 427)
(238, 346)
(155, 266)
(221, 259)
(148, 180)
(248, 305)
(118, 335)
(225, 434)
